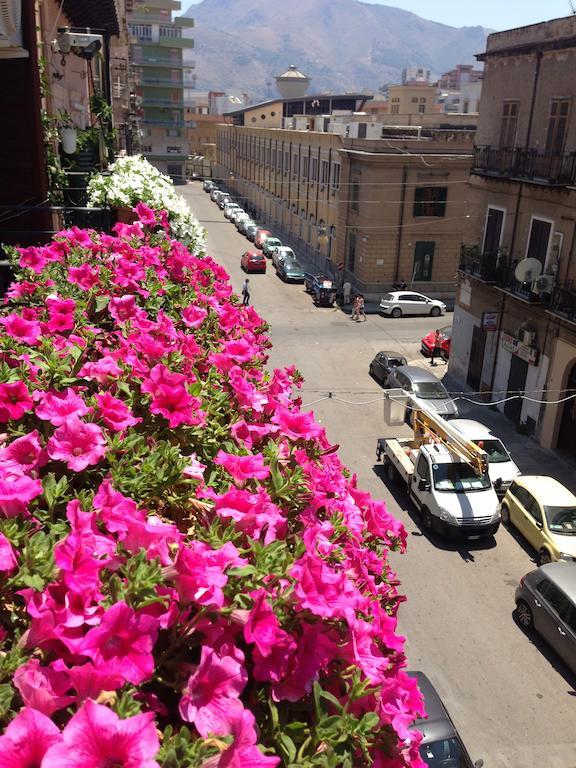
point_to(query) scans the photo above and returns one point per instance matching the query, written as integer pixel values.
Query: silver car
(546, 602)
(425, 388)
(401, 303)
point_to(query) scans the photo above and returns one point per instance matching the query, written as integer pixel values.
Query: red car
(253, 261)
(261, 235)
(427, 344)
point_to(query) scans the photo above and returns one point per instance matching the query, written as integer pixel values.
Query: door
(529, 518)
(476, 362)
(554, 609)
(493, 233)
(540, 232)
(567, 434)
(516, 385)
(421, 472)
(412, 304)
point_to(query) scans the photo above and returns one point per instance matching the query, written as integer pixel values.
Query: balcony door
(567, 434)
(493, 231)
(540, 233)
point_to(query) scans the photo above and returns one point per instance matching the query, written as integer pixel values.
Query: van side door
(422, 482)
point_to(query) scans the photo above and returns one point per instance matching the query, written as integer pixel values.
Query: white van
(501, 467)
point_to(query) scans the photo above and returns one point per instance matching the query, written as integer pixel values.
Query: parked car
(250, 230)
(501, 468)
(208, 185)
(281, 253)
(253, 261)
(241, 221)
(270, 245)
(401, 303)
(230, 209)
(441, 745)
(261, 237)
(425, 388)
(382, 364)
(427, 343)
(234, 213)
(215, 194)
(544, 512)
(321, 288)
(290, 271)
(546, 602)
(223, 200)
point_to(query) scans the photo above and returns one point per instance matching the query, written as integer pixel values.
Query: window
(395, 109)
(174, 132)
(493, 231)
(423, 260)
(553, 596)
(141, 31)
(430, 201)
(324, 172)
(174, 150)
(532, 507)
(422, 100)
(423, 469)
(351, 251)
(146, 147)
(557, 124)
(421, 108)
(354, 195)
(170, 32)
(540, 232)
(286, 163)
(336, 176)
(509, 123)
(305, 167)
(414, 99)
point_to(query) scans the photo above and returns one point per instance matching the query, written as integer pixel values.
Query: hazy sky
(495, 14)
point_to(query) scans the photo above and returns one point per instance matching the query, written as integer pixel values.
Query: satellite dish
(528, 270)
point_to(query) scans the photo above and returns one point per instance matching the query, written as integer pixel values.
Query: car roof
(472, 429)
(391, 354)
(562, 574)
(546, 487)
(438, 724)
(415, 373)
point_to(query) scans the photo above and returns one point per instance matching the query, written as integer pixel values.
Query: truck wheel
(391, 473)
(505, 515)
(427, 519)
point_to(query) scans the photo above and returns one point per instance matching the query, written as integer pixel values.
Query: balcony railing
(563, 301)
(498, 269)
(532, 165)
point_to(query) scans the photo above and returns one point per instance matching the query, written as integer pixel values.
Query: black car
(383, 363)
(290, 270)
(441, 745)
(321, 288)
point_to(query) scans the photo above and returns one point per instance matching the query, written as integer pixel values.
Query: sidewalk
(530, 457)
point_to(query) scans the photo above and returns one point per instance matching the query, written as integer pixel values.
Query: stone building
(515, 320)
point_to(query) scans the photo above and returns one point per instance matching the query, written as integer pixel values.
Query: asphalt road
(512, 700)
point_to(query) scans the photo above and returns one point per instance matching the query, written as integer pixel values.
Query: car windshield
(445, 753)
(395, 361)
(497, 454)
(561, 520)
(273, 241)
(431, 390)
(458, 477)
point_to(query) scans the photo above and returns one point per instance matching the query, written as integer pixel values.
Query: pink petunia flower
(61, 314)
(22, 330)
(145, 214)
(86, 276)
(42, 688)
(115, 413)
(24, 455)
(123, 308)
(194, 316)
(33, 258)
(27, 739)
(15, 494)
(243, 752)
(243, 468)
(57, 407)
(7, 555)
(104, 371)
(96, 737)
(15, 400)
(123, 643)
(297, 425)
(199, 572)
(212, 693)
(195, 469)
(177, 405)
(77, 443)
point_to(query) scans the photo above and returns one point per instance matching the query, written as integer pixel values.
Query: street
(511, 699)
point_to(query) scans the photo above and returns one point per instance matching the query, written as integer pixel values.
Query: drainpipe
(400, 223)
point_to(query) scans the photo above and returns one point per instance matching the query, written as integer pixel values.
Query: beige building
(386, 207)
(418, 99)
(515, 322)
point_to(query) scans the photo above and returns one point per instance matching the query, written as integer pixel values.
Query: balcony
(150, 61)
(563, 301)
(146, 102)
(161, 82)
(497, 268)
(534, 166)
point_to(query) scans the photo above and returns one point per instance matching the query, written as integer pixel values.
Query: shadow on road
(465, 547)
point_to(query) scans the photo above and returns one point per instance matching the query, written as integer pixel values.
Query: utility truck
(446, 476)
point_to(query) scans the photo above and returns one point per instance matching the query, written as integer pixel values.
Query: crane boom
(429, 427)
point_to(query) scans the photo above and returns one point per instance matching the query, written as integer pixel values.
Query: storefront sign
(489, 321)
(523, 351)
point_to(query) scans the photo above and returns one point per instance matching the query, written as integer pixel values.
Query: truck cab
(451, 497)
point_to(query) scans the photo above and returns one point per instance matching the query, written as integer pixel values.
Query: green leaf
(6, 696)
(287, 747)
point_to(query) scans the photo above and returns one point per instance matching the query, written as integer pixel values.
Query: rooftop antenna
(572, 7)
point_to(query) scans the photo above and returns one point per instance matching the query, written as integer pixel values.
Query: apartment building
(157, 44)
(454, 79)
(417, 99)
(515, 320)
(382, 203)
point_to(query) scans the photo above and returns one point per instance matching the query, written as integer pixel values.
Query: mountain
(343, 45)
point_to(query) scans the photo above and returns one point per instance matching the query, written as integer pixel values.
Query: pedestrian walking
(246, 293)
(360, 310)
(354, 315)
(437, 348)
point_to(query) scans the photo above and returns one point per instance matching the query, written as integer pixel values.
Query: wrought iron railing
(533, 165)
(563, 300)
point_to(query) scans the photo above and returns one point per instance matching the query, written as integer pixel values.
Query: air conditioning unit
(543, 284)
(526, 337)
(11, 30)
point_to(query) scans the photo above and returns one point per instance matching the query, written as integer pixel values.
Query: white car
(401, 303)
(230, 209)
(501, 468)
(281, 254)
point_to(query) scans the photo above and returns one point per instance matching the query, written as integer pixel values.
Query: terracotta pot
(125, 215)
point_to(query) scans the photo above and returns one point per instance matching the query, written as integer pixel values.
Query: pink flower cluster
(175, 533)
